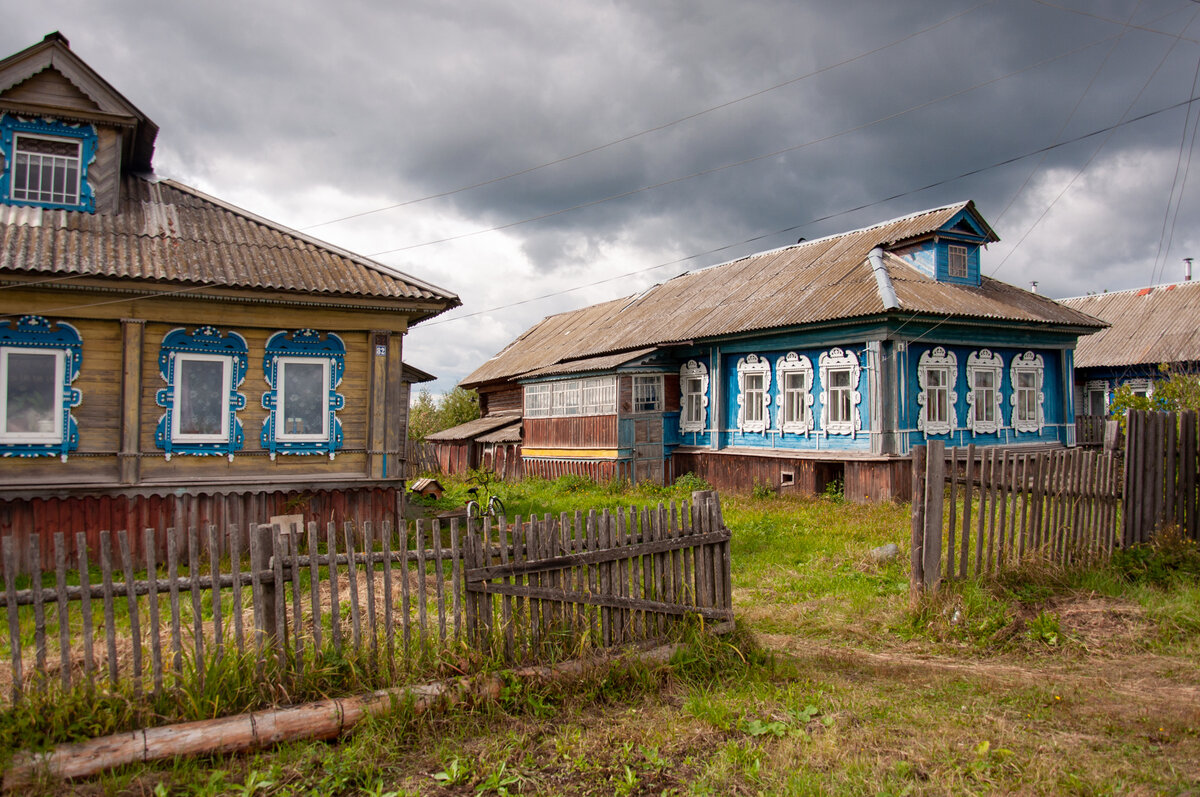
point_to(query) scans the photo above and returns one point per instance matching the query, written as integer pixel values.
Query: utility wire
(1103, 18)
(744, 161)
(658, 128)
(1187, 118)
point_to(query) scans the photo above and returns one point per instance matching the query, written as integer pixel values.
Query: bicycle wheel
(495, 507)
(474, 510)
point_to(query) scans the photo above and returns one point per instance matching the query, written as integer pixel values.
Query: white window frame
(40, 438)
(1032, 365)
(985, 361)
(599, 396)
(1140, 387)
(538, 400)
(565, 398)
(73, 186)
(786, 366)
(838, 361)
(753, 365)
(960, 253)
(640, 402)
(1090, 388)
(938, 360)
(281, 400)
(689, 372)
(177, 411)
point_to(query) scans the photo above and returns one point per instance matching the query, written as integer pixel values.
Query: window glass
(1096, 402)
(754, 397)
(31, 393)
(794, 386)
(1026, 396)
(46, 170)
(985, 396)
(839, 396)
(936, 403)
(958, 261)
(202, 396)
(694, 392)
(305, 393)
(647, 393)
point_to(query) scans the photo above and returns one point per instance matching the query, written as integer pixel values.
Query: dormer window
(957, 265)
(46, 163)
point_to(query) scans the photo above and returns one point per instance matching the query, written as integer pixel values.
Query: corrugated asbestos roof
(171, 234)
(811, 282)
(601, 363)
(1148, 326)
(507, 434)
(471, 429)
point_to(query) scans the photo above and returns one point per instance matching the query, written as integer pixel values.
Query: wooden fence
(420, 458)
(523, 588)
(985, 509)
(1161, 488)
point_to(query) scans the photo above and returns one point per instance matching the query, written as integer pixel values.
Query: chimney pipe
(1187, 269)
(1033, 286)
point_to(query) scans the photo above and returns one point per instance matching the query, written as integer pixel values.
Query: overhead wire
(1187, 118)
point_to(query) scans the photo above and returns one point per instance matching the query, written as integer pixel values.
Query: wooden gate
(605, 579)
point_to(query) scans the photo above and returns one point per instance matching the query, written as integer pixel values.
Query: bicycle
(495, 507)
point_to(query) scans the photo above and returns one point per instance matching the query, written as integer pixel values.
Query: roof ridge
(1181, 284)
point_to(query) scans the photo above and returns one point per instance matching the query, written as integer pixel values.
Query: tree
(422, 416)
(1177, 389)
(427, 415)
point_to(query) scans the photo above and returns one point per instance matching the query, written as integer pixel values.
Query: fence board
(110, 636)
(14, 624)
(64, 630)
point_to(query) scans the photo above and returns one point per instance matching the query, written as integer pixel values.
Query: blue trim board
(204, 340)
(317, 346)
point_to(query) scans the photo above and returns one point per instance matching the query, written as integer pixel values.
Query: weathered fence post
(916, 581)
(935, 491)
(264, 542)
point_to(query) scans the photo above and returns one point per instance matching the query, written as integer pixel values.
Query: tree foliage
(427, 415)
(1176, 389)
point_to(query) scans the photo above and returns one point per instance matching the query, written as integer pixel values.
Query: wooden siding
(502, 400)
(863, 481)
(589, 431)
(117, 510)
(671, 397)
(104, 173)
(49, 87)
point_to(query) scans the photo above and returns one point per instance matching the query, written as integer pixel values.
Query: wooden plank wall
(596, 470)
(864, 482)
(1160, 482)
(588, 431)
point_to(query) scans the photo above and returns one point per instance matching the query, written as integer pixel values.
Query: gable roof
(110, 106)
(168, 235)
(811, 282)
(1148, 326)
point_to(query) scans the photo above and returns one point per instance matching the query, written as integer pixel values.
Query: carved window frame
(939, 360)
(985, 361)
(754, 366)
(85, 135)
(33, 334)
(793, 363)
(1028, 400)
(205, 343)
(838, 361)
(693, 371)
(303, 346)
(1140, 387)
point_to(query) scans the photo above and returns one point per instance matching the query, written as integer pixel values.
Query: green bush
(1168, 558)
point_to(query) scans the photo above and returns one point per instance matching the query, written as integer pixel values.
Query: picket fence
(521, 589)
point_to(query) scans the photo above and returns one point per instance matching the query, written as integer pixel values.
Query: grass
(1044, 680)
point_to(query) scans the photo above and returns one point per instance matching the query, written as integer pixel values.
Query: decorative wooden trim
(793, 363)
(35, 333)
(693, 370)
(205, 341)
(753, 364)
(940, 360)
(985, 361)
(836, 360)
(303, 344)
(1028, 364)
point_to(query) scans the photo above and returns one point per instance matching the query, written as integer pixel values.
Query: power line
(1162, 236)
(744, 161)
(657, 128)
(935, 184)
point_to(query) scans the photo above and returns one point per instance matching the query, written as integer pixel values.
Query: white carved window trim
(837, 361)
(1030, 365)
(1091, 387)
(1140, 387)
(689, 371)
(753, 365)
(984, 361)
(939, 360)
(789, 364)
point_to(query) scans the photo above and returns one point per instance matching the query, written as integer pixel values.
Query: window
(984, 370)
(795, 381)
(937, 373)
(1096, 396)
(303, 369)
(840, 397)
(693, 388)
(1027, 374)
(599, 396)
(647, 393)
(38, 362)
(592, 396)
(957, 260)
(754, 393)
(1141, 387)
(48, 162)
(537, 401)
(203, 370)
(565, 397)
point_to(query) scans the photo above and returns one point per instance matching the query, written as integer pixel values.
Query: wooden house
(1147, 327)
(167, 358)
(815, 364)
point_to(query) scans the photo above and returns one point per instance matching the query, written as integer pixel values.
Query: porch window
(795, 377)
(647, 393)
(754, 393)
(566, 397)
(693, 386)
(1027, 374)
(537, 401)
(984, 369)
(840, 398)
(599, 396)
(38, 361)
(937, 373)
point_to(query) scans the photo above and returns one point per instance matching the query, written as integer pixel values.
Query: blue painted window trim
(206, 340)
(307, 344)
(86, 134)
(35, 332)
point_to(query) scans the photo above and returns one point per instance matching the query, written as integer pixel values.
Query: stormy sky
(535, 156)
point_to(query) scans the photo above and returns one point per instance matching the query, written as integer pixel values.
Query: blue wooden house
(817, 363)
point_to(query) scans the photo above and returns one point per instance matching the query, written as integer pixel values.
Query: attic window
(46, 170)
(957, 266)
